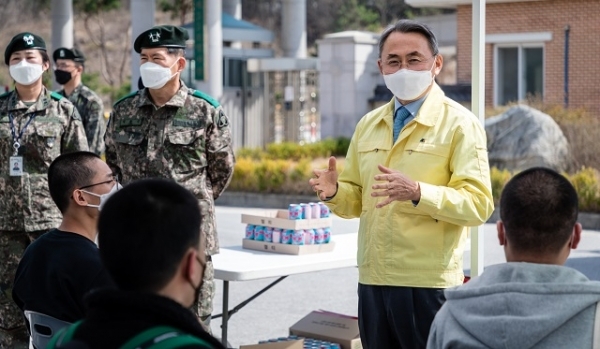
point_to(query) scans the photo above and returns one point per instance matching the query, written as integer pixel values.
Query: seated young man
(151, 244)
(59, 268)
(532, 301)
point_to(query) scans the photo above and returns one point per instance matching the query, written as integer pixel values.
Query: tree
(94, 12)
(353, 15)
(179, 9)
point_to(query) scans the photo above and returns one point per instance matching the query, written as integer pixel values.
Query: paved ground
(271, 314)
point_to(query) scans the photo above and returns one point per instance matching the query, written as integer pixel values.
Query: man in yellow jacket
(417, 175)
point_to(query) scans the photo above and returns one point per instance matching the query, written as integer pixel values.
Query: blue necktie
(399, 118)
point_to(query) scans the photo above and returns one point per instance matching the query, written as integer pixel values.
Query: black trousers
(391, 317)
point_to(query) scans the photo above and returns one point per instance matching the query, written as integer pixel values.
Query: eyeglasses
(412, 62)
(113, 179)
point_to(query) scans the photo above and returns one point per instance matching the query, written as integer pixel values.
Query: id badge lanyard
(16, 162)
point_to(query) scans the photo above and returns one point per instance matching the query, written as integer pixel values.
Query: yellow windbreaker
(444, 149)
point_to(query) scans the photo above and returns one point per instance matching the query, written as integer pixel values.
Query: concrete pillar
(234, 9)
(348, 76)
(142, 19)
(215, 48)
(62, 27)
(293, 28)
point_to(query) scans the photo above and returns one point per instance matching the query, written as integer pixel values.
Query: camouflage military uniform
(90, 108)
(26, 208)
(187, 140)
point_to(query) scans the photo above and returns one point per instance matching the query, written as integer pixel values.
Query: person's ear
(575, 236)
(45, 66)
(191, 266)
(181, 64)
(78, 197)
(379, 65)
(439, 63)
(501, 233)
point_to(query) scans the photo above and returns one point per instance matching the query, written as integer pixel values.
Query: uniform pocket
(186, 137)
(49, 134)
(129, 137)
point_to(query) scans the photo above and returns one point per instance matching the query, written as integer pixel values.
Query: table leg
(225, 313)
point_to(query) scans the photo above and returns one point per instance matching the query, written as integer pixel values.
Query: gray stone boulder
(524, 137)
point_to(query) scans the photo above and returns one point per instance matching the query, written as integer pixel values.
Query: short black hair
(68, 172)
(144, 231)
(410, 26)
(539, 209)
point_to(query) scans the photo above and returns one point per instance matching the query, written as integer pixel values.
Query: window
(518, 73)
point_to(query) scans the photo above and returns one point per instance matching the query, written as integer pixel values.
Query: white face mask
(407, 85)
(26, 73)
(155, 76)
(104, 197)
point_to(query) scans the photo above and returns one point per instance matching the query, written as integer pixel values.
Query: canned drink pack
(298, 237)
(250, 231)
(309, 237)
(324, 210)
(327, 235)
(319, 236)
(269, 234)
(286, 238)
(259, 233)
(277, 233)
(295, 212)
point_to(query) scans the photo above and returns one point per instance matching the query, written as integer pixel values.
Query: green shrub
(499, 178)
(587, 185)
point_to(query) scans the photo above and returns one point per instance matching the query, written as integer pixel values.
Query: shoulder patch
(206, 97)
(124, 98)
(222, 121)
(56, 96)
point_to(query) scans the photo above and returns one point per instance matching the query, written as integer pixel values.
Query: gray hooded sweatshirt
(518, 306)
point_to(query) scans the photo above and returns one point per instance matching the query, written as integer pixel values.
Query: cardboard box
(331, 327)
(285, 248)
(297, 344)
(279, 219)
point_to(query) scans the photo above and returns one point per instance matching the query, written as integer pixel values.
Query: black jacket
(113, 317)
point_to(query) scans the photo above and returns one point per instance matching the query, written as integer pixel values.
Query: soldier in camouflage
(36, 126)
(168, 130)
(69, 67)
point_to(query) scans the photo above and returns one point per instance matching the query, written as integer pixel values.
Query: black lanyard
(16, 144)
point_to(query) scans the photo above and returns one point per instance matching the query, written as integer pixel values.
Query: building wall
(543, 16)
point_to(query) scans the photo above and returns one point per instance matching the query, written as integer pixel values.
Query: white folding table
(238, 264)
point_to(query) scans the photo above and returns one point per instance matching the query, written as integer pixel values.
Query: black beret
(161, 36)
(24, 41)
(65, 53)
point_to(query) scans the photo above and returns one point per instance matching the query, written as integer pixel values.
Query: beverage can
(319, 236)
(277, 234)
(294, 212)
(306, 211)
(286, 238)
(259, 233)
(327, 235)
(324, 210)
(315, 210)
(250, 231)
(269, 234)
(309, 236)
(298, 237)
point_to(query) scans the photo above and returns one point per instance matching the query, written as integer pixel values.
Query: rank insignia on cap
(154, 36)
(28, 39)
(62, 53)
